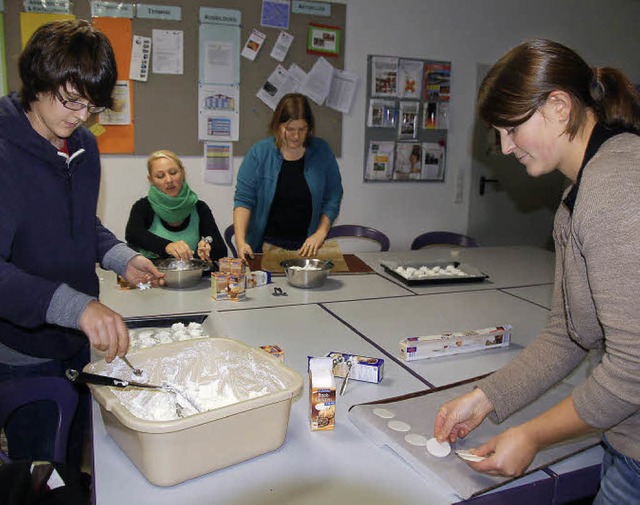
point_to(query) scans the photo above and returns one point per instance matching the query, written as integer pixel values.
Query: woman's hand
(312, 244)
(141, 270)
(204, 251)
(180, 250)
(508, 454)
(458, 417)
(105, 329)
(244, 251)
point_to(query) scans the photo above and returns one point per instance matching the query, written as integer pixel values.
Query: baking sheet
(419, 411)
(473, 274)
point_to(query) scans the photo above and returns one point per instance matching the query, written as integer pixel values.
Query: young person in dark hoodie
(50, 237)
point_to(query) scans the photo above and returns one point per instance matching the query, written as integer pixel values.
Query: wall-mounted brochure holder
(407, 119)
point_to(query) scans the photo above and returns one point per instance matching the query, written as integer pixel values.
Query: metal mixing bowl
(306, 273)
(181, 274)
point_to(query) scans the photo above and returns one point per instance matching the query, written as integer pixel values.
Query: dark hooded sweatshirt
(49, 232)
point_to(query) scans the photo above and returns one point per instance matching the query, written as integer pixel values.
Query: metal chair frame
(228, 238)
(442, 238)
(354, 230)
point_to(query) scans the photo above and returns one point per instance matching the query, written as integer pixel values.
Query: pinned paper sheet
(253, 44)
(218, 159)
(140, 57)
(282, 45)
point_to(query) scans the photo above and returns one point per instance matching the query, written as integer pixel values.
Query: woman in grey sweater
(555, 112)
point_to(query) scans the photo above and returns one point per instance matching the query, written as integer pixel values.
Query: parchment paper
(451, 471)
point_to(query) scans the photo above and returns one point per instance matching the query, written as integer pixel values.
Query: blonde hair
(169, 155)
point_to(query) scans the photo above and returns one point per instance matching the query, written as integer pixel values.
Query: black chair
(228, 238)
(354, 230)
(442, 238)
(16, 393)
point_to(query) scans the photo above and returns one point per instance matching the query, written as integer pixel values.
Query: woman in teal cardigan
(289, 188)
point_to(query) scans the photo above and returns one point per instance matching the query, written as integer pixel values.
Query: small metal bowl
(180, 274)
(306, 273)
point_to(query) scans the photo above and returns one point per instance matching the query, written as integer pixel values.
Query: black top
(290, 211)
(138, 236)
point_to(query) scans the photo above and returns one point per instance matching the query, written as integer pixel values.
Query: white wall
(466, 32)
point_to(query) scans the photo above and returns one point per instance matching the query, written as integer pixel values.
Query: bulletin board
(166, 106)
(407, 122)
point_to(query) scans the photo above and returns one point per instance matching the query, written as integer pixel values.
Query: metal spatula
(105, 380)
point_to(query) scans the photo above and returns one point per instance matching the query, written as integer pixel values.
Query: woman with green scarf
(170, 220)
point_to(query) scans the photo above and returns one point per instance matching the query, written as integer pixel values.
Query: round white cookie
(384, 413)
(398, 426)
(415, 439)
(438, 449)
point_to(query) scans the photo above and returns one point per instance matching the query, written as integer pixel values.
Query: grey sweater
(596, 304)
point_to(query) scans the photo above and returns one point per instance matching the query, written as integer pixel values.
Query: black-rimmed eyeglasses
(76, 106)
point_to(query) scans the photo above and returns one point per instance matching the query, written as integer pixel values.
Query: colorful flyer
(253, 44)
(275, 14)
(379, 161)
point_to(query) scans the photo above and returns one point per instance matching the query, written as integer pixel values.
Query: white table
(540, 295)
(363, 313)
(134, 303)
(311, 467)
(506, 267)
(386, 322)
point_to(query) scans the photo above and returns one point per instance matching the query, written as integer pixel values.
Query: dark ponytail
(617, 102)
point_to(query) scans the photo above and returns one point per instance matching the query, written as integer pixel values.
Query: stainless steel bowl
(306, 273)
(181, 274)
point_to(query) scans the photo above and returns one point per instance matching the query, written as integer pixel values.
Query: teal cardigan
(258, 177)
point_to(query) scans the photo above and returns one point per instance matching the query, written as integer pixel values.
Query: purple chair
(354, 230)
(15, 393)
(442, 238)
(228, 238)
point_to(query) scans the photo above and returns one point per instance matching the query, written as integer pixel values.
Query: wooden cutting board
(330, 250)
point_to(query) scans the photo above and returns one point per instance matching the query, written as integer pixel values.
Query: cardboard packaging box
(413, 348)
(258, 278)
(322, 394)
(225, 286)
(274, 350)
(365, 369)
(219, 285)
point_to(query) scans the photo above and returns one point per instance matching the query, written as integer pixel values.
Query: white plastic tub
(170, 452)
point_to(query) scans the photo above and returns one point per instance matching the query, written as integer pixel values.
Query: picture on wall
(323, 40)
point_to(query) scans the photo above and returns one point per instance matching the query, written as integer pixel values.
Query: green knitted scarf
(172, 209)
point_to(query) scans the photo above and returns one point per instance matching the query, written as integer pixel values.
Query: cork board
(166, 106)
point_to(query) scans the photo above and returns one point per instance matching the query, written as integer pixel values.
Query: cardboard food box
(365, 369)
(170, 452)
(322, 394)
(413, 348)
(274, 350)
